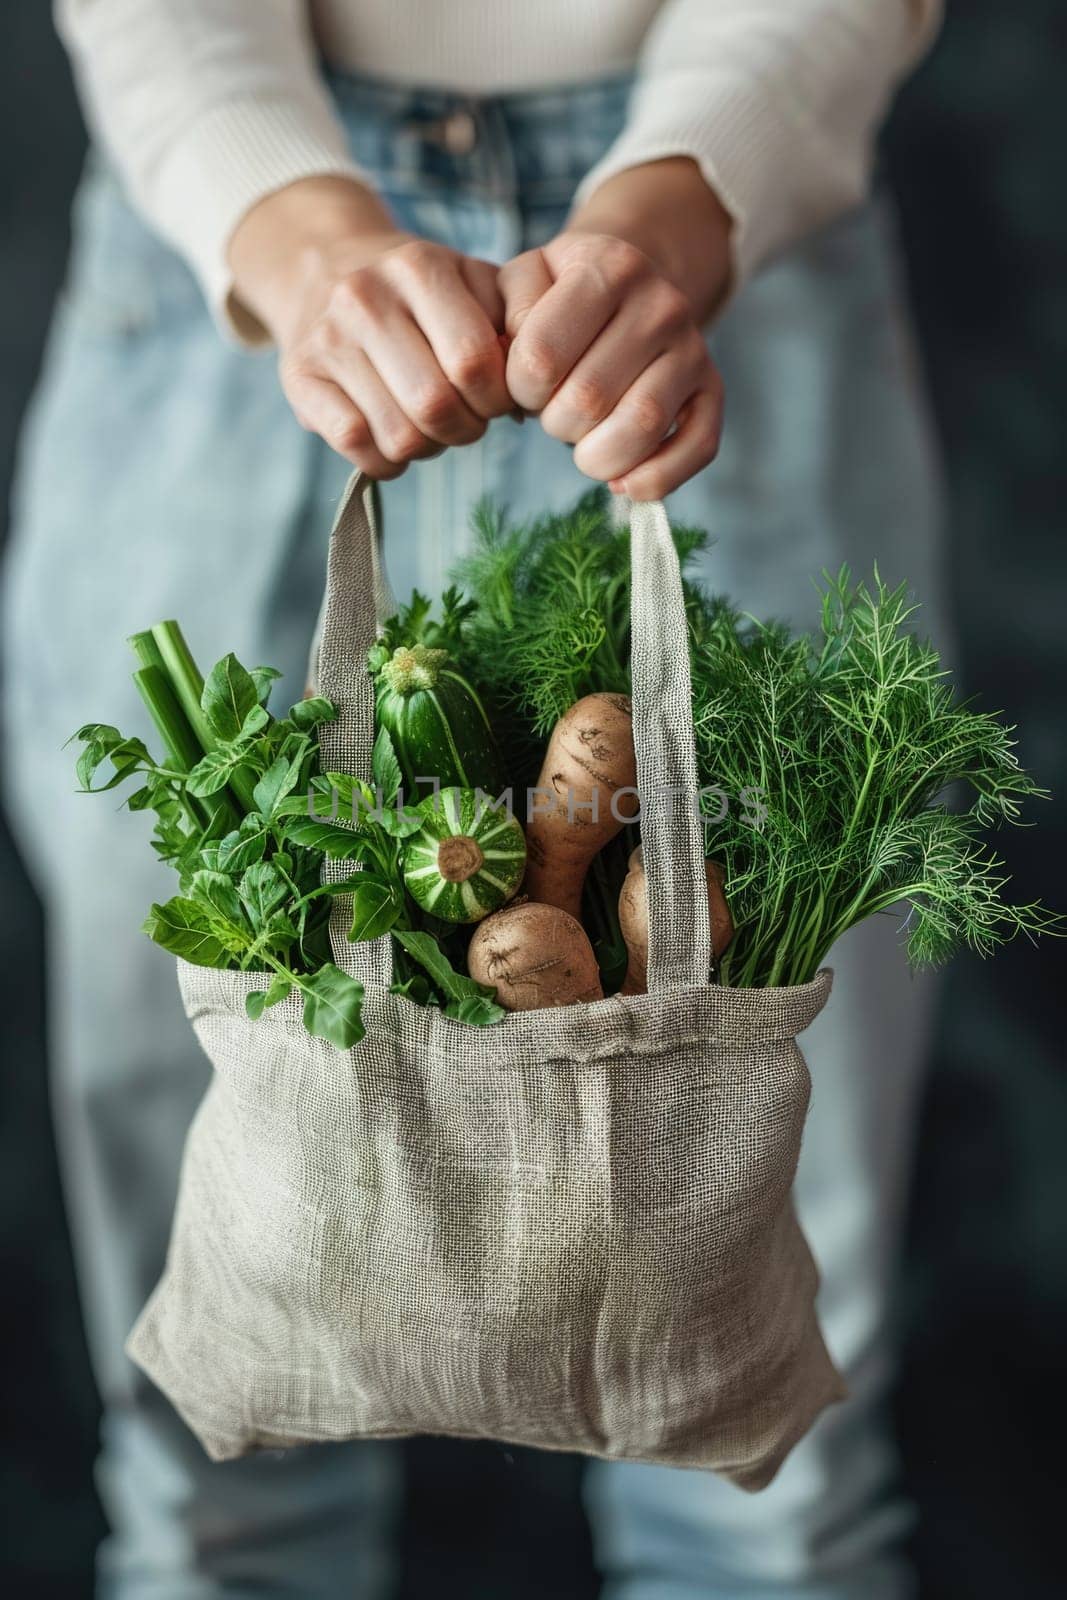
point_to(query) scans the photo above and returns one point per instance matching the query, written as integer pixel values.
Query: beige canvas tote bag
(572, 1229)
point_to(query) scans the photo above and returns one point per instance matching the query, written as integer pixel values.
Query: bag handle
(358, 599)
(672, 831)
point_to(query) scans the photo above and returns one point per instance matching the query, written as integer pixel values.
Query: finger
(691, 447)
(644, 414)
(461, 332)
(395, 435)
(481, 279)
(522, 282)
(371, 318)
(322, 408)
(559, 329)
(645, 327)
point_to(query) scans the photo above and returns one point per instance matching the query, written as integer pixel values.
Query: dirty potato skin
(589, 761)
(633, 919)
(534, 955)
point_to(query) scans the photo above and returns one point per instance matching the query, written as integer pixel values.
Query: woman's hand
(389, 346)
(605, 324)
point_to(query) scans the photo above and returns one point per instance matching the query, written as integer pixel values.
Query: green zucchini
(466, 859)
(437, 723)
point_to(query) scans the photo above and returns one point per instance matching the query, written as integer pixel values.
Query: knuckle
(434, 406)
(668, 306)
(352, 293)
(473, 364)
(348, 434)
(402, 442)
(537, 363)
(588, 399)
(648, 414)
(329, 336)
(417, 256)
(622, 262)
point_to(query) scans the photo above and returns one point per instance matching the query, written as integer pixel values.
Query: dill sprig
(856, 743)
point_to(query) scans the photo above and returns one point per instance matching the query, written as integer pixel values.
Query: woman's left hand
(605, 327)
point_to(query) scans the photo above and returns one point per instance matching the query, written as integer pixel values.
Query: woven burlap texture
(572, 1230)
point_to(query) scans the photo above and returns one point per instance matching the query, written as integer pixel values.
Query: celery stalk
(188, 684)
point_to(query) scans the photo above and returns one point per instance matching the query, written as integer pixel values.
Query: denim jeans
(162, 474)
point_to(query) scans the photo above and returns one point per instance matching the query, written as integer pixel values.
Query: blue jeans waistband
(526, 147)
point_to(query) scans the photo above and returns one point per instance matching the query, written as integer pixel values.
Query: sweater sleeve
(206, 107)
(778, 101)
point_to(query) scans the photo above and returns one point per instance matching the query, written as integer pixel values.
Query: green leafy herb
(855, 744)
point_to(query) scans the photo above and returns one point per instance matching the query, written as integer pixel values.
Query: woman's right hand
(390, 347)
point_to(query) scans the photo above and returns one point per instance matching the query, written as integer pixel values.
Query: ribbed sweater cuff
(231, 157)
(758, 160)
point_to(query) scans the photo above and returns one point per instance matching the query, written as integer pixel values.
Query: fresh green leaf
(385, 766)
(183, 927)
(244, 846)
(428, 953)
(255, 722)
(259, 1000)
(355, 799)
(307, 714)
(216, 891)
(103, 743)
(262, 890)
(340, 844)
(333, 1006)
(376, 904)
(214, 770)
(275, 784)
(229, 695)
(416, 988)
(476, 1010)
(399, 822)
(263, 678)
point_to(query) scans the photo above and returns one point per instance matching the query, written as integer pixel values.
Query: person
(430, 223)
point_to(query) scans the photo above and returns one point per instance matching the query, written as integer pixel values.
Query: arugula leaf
(476, 1010)
(182, 927)
(229, 695)
(333, 1006)
(416, 988)
(259, 999)
(427, 952)
(376, 904)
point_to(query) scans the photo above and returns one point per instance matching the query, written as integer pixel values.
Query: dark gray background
(975, 154)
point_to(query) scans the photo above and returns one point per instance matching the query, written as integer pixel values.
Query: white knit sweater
(208, 105)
